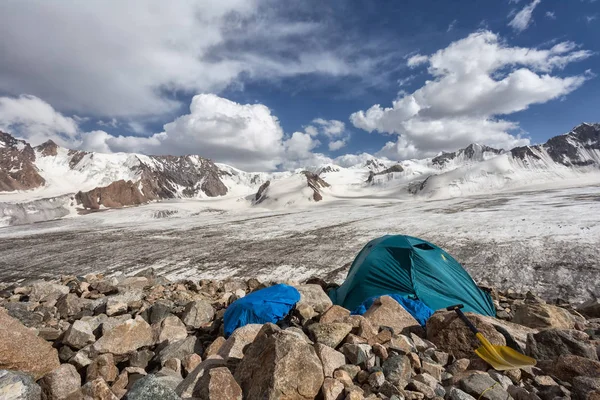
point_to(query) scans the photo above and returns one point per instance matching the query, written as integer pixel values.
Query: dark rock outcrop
(117, 194)
(17, 165)
(473, 152)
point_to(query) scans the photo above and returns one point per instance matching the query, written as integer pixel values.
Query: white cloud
(550, 15)
(476, 79)
(311, 130)
(38, 118)
(332, 127)
(522, 19)
(349, 160)
(337, 144)
(247, 136)
(591, 18)
(128, 59)
(417, 60)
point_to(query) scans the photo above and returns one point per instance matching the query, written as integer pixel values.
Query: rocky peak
(393, 168)
(17, 168)
(48, 148)
(576, 147)
(473, 152)
(315, 183)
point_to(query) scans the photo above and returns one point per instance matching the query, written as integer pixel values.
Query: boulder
(23, 311)
(187, 387)
(150, 388)
(103, 367)
(568, 367)
(590, 308)
(334, 313)
(215, 346)
(93, 390)
(69, 305)
(22, 350)
(159, 311)
(451, 335)
(457, 394)
(387, 312)
(359, 354)
(47, 292)
(586, 387)
(198, 313)
(330, 358)
(240, 338)
(542, 316)
(79, 335)
(125, 338)
(551, 343)
(482, 386)
(218, 384)
(140, 359)
(314, 296)
(170, 376)
(60, 383)
(190, 362)
(15, 385)
(397, 370)
(333, 389)
(109, 324)
(331, 334)
(170, 330)
(273, 364)
(180, 349)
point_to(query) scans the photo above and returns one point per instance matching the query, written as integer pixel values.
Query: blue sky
(265, 85)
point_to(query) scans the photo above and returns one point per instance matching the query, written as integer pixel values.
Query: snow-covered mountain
(47, 181)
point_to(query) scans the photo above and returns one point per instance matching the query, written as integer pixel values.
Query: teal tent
(413, 268)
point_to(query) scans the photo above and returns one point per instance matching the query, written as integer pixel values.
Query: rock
(401, 344)
(330, 358)
(459, 365)
(300, 333)
(150, 388)
(198, 313)
(537, 315)
(133, 282)
(359, 354)
(119, 388)
(431, 382)
(387, 312)
(105, 286)
(432, 369)
(334, 313)
(482, 386)
(501, 379)
(218, 384)
(376, 379)
(69, 305)
(397, 370)
(15, 385)
(551, 343)
(125, 338)
(23, 311)
(116, 306)
(215, 346)
(590, 308)
(457, 394)
(174, 364)
(22, 350)
(421, 344)
(352, 370)
(354, 339)
(190, 362)
(451, 335)
(421, 387)
(314, 296)
(79, 335)
(586, 387)
(94, 390)
(179, 350)
(273, 363)
(240, 338)
(306, 312)
(47, 292)
(380, 351)
(568, 367)
(159, 311)
(103, 367)
(170, 376)
(333, 389)
(60, 383)
(109, 324)
(186, 388)
(170, 330)
(49, 334)
(344, 377)
(140, 359)
(82, 358)
(519, 393)
(331, 334)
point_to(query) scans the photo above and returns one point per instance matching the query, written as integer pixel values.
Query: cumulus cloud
(337, 144)
(550, 15)
(131, 59)
(522, 19)
(475, 80)
(38, 118)
(331, 127)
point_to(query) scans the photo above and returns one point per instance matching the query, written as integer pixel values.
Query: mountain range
(48, 181)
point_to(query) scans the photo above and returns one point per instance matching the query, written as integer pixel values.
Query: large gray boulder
(47, 291)
(314, 296)
(552, 343)
(198, 313)
(125, 338)
(16, 385)
(151, 388)
(60, 383)
(279, 365)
